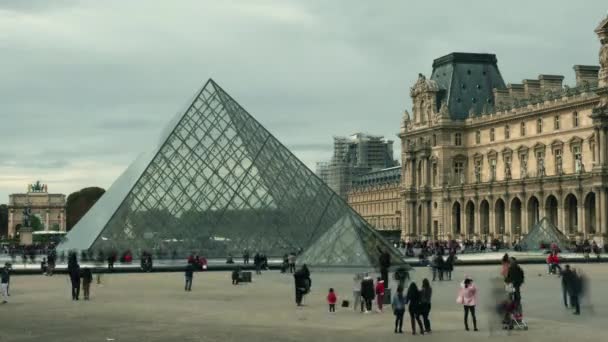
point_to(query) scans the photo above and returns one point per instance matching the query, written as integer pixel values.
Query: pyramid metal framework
(352, 234)
(218, 184)
(544, 232)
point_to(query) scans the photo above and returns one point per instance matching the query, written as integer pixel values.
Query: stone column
(599, 230)
(508, 217)
(604, 212)
(11, 223)
(492, 229)
(581, 218)
(413, 218)
(477, 215)
(596, 148)
(62, 224)
(524, 217)
(561, 214)
(602, 146)
(463, 220)
(47, 219)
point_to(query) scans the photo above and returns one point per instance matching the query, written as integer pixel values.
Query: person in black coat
(368, 292)
(415, 307)
(566, 281)
(189, 274)
(302, 283)
(575, 288)
(385, 264)
(74, 271)
(515, 277)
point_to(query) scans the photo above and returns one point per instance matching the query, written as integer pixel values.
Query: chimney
(550, 83)
(516, 91)
(531, 87)
(586, 73)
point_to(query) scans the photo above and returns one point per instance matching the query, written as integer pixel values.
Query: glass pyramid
(348, 243)
(545, 233)
(217, 184)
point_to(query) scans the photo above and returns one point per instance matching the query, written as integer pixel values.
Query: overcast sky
(85, 86)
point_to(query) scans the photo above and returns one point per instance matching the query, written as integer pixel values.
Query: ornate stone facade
(49, 208)
(535, 149)
(378, 205)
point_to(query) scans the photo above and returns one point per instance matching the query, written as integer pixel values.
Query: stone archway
(499, 216)
(590, 227)
(570, 208)
(456, 218)
(533, 212)
(484, 211)
(470, 218)
(551, 205)
(516, 216)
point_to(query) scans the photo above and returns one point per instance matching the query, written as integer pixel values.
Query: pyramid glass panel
(543, 233)
(219, 183)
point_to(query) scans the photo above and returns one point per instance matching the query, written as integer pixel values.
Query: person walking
(367, 292)
(449, 265)
(331, 300)
(515, 277)
(413, 300)
(8, 267)
(385, 263)
(291, 258)
(379, 293)
(575, 289)
(566, 282)
(303, 283)
(257, 261)
(467, 296)
(5, 277)
(74, 271)
(398, 305)
(87, 278)
(426, 292)
(189, 274)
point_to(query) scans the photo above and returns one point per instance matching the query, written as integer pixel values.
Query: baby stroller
(513, 315)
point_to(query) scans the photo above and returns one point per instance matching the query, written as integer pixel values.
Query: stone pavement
(154, 307)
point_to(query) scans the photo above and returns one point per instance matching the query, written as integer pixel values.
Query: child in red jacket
(379, 293)
(331, 300)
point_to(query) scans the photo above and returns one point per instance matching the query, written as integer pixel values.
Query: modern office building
(354, 156)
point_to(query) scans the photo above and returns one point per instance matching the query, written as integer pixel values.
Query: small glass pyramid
(218, 184)
(348, 243)
(543, 233)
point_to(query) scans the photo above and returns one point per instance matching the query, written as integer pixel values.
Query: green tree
(35, 223)
(79, 202)
(3, 220)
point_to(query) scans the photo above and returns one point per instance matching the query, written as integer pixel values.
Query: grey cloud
(94, 82)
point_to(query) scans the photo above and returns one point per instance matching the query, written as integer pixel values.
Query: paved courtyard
(154, 307)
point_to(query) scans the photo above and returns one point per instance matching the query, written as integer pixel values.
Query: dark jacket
(189, 271)
(515, 275)
(385, 259)
(302, 279)
(367, 288)
(566, 278)
(5, 276)
(449, 263)
(425, 295)
(413, 299)
(87, 276)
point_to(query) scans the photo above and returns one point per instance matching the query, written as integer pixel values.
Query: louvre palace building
(482, 158)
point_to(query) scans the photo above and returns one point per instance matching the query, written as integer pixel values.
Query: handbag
(460, 298)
